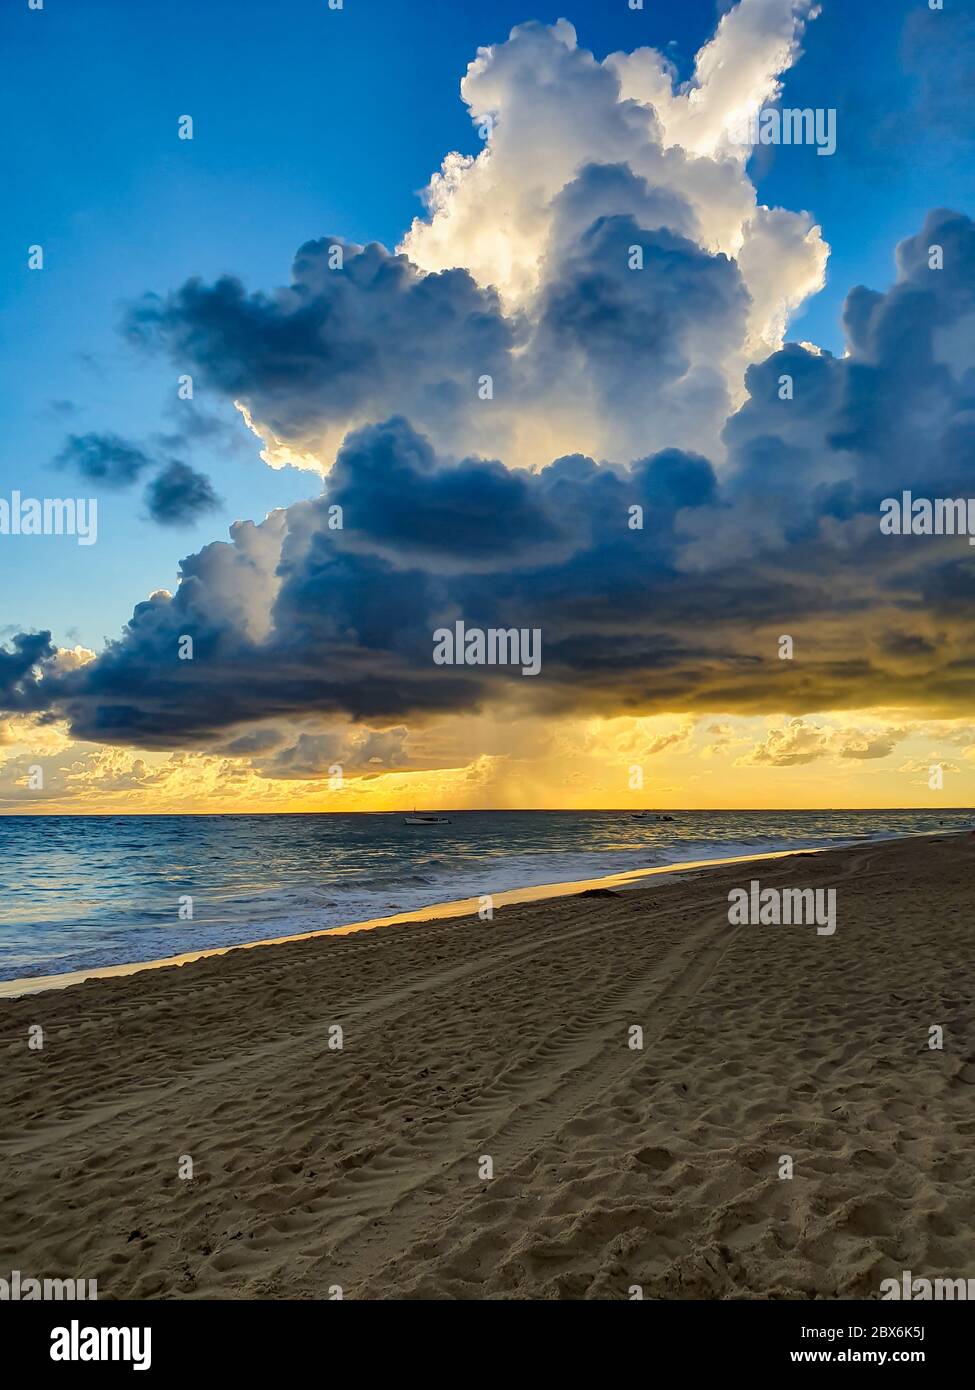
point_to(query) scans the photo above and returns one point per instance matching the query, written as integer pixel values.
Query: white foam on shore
(459, 907)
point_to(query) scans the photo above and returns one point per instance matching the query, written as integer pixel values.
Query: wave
(318, 876)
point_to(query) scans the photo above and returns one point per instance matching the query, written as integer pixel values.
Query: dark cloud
(179, 495)
(256, 741)
(297, 618)
(30, 650)
(176, 496)
(632, 324)
(363, 339)
(896, 413)
(103, 458)
(399, 498)
(635, 321)
(352, 611)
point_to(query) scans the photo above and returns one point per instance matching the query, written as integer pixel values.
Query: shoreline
(20, 986)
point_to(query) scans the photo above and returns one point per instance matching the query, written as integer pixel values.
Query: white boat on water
(425, 820)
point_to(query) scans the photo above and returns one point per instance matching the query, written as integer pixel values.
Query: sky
(607, 127)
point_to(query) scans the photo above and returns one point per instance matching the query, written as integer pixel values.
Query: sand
(316, 1168)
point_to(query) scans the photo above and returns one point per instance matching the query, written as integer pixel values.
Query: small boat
(645, 815)
(425, 820)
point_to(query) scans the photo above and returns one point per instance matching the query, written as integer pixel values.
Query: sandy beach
(316, 1167)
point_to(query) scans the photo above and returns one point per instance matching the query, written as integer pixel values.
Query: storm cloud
(300, 616)
(565, 405)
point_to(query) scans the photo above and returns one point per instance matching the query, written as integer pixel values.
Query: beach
(462, 1109)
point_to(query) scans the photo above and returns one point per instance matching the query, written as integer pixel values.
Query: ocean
(82, 892)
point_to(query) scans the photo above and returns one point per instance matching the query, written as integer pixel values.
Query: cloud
(179, 495)
(722, 738)
(925, 771)
(799, 742)
(103, 458)
(512, 318)
(255, 742)
(553, 108)
(18, 667)
(70, 775)
(791, 746)
(639, 347)
(868, 744)
(295, 617)
(696, 512)
(350, 340)
(737, 72)
(893, 414)
(314, 756)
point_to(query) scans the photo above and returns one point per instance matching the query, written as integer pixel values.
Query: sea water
(81, 892)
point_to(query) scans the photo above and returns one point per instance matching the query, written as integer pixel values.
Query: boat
(414, 819)
(645, 815)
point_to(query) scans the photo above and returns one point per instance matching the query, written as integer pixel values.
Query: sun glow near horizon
(707, 763)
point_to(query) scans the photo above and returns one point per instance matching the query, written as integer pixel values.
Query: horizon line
(510, 811)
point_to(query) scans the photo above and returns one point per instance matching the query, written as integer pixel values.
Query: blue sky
(310, 121)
